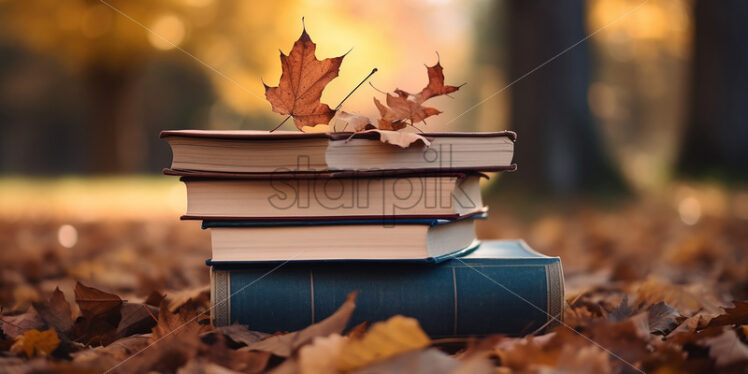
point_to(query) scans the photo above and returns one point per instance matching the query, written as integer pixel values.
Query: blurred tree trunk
(558, 148)
(716, 136)
(106, 87)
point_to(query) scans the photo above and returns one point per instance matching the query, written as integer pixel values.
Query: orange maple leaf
(400, 108)
(301, 83)
(407, 107)
(435, 87)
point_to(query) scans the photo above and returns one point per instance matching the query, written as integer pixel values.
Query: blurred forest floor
(652, 285)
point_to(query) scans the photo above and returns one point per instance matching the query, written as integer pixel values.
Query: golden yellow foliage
(34, 342)
(383, 340)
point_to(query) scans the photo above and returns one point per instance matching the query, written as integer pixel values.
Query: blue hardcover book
(500, 287)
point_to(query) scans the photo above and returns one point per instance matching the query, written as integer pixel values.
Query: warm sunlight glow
(169, 32)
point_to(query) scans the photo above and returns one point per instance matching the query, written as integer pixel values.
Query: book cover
(277, 152)
(501, 287)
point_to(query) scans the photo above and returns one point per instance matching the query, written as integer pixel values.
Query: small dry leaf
(383, 340)
(240, 334)
(195, 298)
(662, 318)
(100, 315)
(344, 121)
(435, 87)
(726, 349)
(428, 361)
(136, 319)
(103, 358)
(735, 315)
(185, 323)
(400, 138)
(14, 326)
(319, 356)
(400, 109)
(405, 108)
(241, 361)
(56, 312)
(36, 343)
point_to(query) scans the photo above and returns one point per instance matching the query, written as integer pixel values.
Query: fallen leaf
(166, 356)
(176, 339)
(662, 318)
(562, 349)
(350, 122)
(358, 331)
(589, 359)
(429, 361)
(100, 315)
(686, 330)
(301, 83)
(185, 323)
(105, 357)
(34, 342)
(14, 326)
(726, 349)
(240, 334)
(194, 298)
(136, 319)
(242, 361)
(56, 312)
(284, 345)
(202, 366)
(383, 340)
(154, 298)
(621, 312)
(520, 354)
(735, 315)
(319, 356)
(628, 339)
(684, 299)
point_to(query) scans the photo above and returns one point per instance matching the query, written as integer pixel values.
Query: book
(248, 151)
(420, 239)
(501, 287)
(330, 195)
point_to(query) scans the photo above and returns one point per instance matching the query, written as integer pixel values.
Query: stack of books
(298, 221)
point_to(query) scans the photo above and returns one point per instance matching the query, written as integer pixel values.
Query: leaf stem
(280, 124)
(378, 90)
(355, 88)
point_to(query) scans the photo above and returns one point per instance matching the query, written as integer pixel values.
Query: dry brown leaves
(303, 79)
(405, 109)
(659, 296)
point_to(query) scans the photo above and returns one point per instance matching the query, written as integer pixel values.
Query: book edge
(213, 134)
(185, 174)
(555, 283)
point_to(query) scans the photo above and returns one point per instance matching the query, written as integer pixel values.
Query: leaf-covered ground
(651, 287)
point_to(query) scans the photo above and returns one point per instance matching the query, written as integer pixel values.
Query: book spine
(462, 297)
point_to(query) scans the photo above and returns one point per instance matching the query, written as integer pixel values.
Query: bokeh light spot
(689, 210)
(67, 235)
(169, 32)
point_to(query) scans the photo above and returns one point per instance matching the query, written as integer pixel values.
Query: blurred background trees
(716, 137)
(658, 91)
